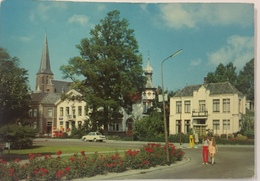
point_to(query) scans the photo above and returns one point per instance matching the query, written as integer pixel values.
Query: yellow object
(191, 141)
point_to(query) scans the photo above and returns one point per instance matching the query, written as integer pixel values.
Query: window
(35, 113)
(61, 111)
(187, 106)
(114, 127)
(178, 126)
(67, 111)
(216, 103)
(61, 123)
(226, 105)
(73, 111)
(215, 124)
(240, 106)
(187, 126)
(49, 112)
(202, 106)
(226, 124)
(178, 106)
(80, 110)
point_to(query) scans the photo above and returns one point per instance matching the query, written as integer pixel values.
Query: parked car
(94, 136)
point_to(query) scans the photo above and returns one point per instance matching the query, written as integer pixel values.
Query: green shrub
(19, 136)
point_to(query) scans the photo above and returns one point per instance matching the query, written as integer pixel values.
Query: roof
(44, 98)
(214, 88)
(149, 84)
(45, 67)
(61, 86)
(148, 68)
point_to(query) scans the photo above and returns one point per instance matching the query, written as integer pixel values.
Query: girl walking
(212, 149)
(205, 151)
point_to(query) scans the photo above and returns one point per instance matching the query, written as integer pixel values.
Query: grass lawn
(65, 150)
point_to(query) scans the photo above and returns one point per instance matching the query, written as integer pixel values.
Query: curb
(111, 176)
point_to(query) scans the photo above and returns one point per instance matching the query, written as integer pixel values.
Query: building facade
(70, 113)
(216, 107)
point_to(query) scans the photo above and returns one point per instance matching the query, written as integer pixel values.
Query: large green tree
(14, 90)
(223, 74)
(109, 69)
(245, 80)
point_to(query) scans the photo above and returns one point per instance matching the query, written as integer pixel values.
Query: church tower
(149, 92)
(44, 76)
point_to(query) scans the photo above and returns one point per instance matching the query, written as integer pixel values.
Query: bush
(19, 136)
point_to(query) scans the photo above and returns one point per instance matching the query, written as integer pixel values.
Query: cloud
(80, 19)
(42, 10)
(190, 15)
(25, 38)
(238, 49)
(143, 6)
(101, 7)
(195, 62)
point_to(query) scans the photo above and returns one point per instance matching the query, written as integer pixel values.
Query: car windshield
(99, 133)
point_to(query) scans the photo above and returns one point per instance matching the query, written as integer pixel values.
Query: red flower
(82, 153)
(43, 171)
(67, 169)
(17, 160)
(11, 171)
(59, 153)
(31, 156)
(59, 174)
(72, 159)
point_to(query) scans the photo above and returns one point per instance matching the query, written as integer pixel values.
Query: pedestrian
(205, 151)
(212, 149)
(196, 138)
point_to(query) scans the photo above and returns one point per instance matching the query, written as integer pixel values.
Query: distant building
(43, 111)
(149, 93)
(45, 78)
(210, 106)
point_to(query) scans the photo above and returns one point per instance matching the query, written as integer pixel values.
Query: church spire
(45, 67)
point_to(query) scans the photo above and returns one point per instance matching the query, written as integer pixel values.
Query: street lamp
(164, 113)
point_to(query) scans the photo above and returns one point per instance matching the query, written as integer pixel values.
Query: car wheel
(95, 140)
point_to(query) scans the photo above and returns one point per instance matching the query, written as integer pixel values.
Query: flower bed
(80, 165)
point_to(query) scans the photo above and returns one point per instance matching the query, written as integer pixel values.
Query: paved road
(231, 162)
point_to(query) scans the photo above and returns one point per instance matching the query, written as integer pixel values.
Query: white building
(70, 113)
(214, 106)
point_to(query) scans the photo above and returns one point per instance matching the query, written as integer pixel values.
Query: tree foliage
(149, 126)
(14, 89)
(223, 74)
(19, 136)
(111, 68)
(245, 81)
(247, 124)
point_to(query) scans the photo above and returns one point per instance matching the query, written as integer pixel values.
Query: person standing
(212, 149)
(205, 151)
(196, 138)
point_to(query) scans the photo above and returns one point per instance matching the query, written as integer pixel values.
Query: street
(231, 162)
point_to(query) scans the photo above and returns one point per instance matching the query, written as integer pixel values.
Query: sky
(209, 34)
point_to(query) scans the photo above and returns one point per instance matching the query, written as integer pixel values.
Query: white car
(93, 136)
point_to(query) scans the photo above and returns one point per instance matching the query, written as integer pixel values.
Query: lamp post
(164, 113)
